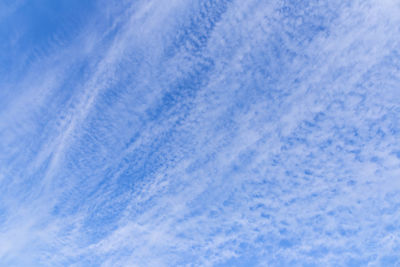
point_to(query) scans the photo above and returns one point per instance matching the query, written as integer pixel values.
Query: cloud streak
(206, 133)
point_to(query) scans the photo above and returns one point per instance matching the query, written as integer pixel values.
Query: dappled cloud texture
(200, 133)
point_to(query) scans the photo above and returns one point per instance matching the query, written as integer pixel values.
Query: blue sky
(200, 133)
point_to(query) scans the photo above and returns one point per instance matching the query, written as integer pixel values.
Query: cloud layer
(200, 133)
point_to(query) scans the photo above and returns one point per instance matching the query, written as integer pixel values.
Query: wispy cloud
(231, 133)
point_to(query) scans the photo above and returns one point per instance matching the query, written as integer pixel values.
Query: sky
(199, 133)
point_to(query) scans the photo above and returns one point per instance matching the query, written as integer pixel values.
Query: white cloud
(209, 131)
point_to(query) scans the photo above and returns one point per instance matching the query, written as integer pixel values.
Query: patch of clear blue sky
(34, 28)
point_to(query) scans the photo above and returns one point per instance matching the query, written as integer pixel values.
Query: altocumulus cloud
(200, 133)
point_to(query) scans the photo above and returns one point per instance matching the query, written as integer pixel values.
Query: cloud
(210, 133)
